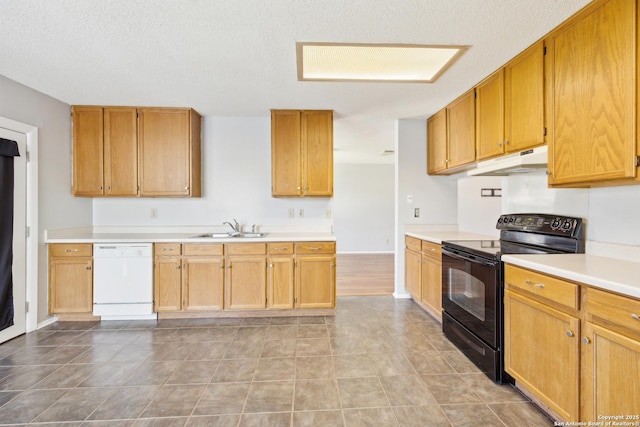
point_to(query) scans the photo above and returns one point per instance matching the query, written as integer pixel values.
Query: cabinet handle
(569, 334)
(108, 187)
(635, 316)
(71, 250)
(178, 267)
(100, 187)
(537, 285)
(271, 265)
(167, 249)
(314, 248)
(89, 268)
(586, 340)
(506, 141)
(499, 144)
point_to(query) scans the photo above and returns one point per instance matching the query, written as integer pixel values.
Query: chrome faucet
(235, 226)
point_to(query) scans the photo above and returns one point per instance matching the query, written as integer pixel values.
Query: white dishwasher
(123, 281)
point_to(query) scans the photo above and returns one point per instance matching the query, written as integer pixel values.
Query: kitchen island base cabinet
(423, 274)
(70, 279)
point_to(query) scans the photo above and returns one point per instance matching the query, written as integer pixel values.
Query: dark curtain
(8, 150)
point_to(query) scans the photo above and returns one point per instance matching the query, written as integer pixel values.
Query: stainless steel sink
(230, 234)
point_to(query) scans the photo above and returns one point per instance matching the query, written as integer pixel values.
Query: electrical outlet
(416, 212)
(154, 213)
(292, 213)
(301, 213)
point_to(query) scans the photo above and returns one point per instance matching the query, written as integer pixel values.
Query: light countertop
(602, 272)
(181, 235)
(441, 236)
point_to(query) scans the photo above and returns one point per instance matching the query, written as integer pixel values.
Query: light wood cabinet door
(120, 151)
(203, 283)
(593, 67)
(168, 146)
(490, 116)
(246, 285)
(611, 379)
(461, 122)
(280, 283)
(286, 153)
(317, 150)
(88, 151)
(302, 153)
(437, 142)
(315, 281)
(413, 273)
(168, 284)
(524, 100)
(432, 283)
(542, 352)
(70, 285)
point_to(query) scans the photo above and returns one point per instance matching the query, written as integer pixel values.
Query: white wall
(236, 181)
(363, 207)
(56, 207)
(477, 214)
(436, 196)
(611, 213)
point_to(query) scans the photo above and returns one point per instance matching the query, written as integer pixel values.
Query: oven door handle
(471, 258)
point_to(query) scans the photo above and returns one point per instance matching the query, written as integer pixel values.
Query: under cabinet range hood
(524, 162)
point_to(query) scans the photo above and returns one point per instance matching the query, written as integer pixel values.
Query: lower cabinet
(244, 276)
(611, 357)
(188, 277)
(280, 276)
(246, 287)
(574, 348)
(70, 278)
(423, 274)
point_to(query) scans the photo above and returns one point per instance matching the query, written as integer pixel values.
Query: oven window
(467, 292)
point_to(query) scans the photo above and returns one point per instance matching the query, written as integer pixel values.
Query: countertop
(184, 235)
(611, 274)
(441, 236)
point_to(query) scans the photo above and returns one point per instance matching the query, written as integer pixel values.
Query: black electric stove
(472, 281)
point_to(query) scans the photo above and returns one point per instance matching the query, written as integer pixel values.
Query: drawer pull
(537, 285)
(167, 249)
(71, 250)
(314, 248)
(89, 268)
(586, 340)
(569, 334)
(635, 316)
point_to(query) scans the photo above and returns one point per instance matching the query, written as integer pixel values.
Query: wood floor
(364, 274)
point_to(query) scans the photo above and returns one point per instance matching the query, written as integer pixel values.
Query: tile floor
(377, 362)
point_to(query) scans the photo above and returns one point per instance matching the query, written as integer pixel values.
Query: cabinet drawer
(71, 249)
(546, 287)
(413, 243)
(246, 249)
(614, 310)
(280, 248)
(433, 250)
(203, 249)
(315, 248)
(166, 249)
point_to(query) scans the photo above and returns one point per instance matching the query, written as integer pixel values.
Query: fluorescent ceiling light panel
(374, 62)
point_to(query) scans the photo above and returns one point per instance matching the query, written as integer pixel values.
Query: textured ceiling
(238, 57)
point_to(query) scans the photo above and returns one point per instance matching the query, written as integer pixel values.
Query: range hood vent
(524, 162)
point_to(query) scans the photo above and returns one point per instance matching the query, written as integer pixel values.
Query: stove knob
(555, 224)
(566, 225)
(511, 219)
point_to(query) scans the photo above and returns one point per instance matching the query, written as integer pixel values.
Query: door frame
(32, 241)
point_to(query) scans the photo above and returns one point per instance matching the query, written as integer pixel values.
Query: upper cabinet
(169, 152)
(490, 116)
(524, 100)
(592, 68)
(451, 136)
(437, 142)
(126, 151)
(302, 153)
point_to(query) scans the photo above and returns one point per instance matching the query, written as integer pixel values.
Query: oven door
(471, 293)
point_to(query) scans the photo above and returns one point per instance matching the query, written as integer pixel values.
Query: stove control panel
(541, 223)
